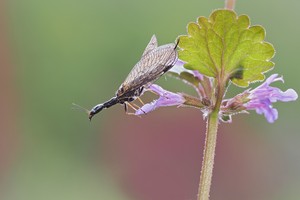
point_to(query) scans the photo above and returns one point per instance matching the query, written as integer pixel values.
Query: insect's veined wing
(151, 66)
(151, 45)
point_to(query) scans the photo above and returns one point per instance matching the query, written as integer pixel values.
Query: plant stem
(210, 142)
(208, 157)
(211, 133)
(230, 4)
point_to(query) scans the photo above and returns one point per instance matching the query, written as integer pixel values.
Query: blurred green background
(57, 52)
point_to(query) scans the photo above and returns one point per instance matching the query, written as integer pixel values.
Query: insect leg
(157, 94)
(152, 92)
(131, 105)
(140, 100)
(126, 105)
(139, 107)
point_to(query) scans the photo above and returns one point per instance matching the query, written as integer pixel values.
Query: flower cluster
(259, 99)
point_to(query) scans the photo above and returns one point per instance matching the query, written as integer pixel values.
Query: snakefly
(154, 62)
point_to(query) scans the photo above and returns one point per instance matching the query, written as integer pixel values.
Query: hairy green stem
(230, 4)
(210, 143)
(208, 157)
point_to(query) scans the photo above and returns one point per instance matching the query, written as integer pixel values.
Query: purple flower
(259, 99)
(178, 68)
(166, 98)
(262, 97)
(202, 84)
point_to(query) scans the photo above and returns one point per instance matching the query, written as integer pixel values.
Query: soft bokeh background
(56, 52)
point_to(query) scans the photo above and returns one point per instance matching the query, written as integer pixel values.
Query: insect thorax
(128, 95)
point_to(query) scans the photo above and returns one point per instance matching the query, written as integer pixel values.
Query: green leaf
(226, 46)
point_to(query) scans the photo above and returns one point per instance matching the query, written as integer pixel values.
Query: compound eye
(130, 99)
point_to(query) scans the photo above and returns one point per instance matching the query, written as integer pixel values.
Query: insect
(154, 62)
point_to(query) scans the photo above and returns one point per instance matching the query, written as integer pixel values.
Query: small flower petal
(178, 69)
(289, 95)
(166, 98)
(262, 97)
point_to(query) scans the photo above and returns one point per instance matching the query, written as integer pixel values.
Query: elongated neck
(100, 107)
(111, 102)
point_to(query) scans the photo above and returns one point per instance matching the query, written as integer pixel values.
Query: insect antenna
(79, 108)
(177, 42)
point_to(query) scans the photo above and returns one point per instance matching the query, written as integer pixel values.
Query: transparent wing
(151, 45)
(151, 66)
